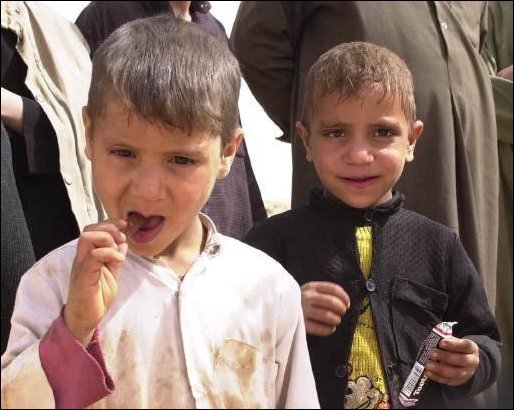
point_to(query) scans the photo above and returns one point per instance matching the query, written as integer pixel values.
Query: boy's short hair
(351, 69)
(170, 71)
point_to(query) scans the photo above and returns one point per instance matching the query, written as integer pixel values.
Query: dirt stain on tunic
(235, 364)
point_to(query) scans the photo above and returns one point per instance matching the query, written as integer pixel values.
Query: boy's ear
(304, 135)
(417, 130)
(86, 119)
(229, 152)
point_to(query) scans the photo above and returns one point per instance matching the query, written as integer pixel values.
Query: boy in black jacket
(376, 277)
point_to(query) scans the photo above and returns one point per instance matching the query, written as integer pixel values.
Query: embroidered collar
(212, 242)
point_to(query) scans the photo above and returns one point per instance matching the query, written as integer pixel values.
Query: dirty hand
(323, 304)
(101, 251)
(454, 362)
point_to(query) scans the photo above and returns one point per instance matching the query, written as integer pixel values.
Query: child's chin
(145, 250)
(357, 203)
(362, 205)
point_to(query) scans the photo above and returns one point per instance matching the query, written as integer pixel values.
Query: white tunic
(230, 335)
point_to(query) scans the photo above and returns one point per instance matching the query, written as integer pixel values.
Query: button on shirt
(371, 285)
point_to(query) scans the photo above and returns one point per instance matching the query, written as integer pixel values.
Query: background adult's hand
(12, 111)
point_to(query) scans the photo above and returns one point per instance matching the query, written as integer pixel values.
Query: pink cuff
(78, 376)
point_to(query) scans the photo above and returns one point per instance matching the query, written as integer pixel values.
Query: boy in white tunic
(165, 313)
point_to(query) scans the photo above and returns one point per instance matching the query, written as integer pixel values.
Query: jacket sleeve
(295, 387)
(262, 40)
(469, 308)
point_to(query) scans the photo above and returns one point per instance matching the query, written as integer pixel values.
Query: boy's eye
(335, 133)
(383, 132)
(181, 160)
(124, 153)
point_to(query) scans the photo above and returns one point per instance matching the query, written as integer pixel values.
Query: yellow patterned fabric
(367, 387)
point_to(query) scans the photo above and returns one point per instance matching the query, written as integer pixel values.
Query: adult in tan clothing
(46, 72)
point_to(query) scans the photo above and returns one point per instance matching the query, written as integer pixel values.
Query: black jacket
(420, 276)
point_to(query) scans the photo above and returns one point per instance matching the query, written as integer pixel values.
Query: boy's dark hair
(352, 69)
(170, 71)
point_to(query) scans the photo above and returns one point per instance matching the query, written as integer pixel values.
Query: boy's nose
(358, 154)
(148, 184)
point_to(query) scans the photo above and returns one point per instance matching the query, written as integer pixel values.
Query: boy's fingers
(442, 380)
(93, 239)
(456, 345)
(108, 278)
(456, 359)
(123, 248)
(113, 227)
(318, 329)
(105, 256)
(451, 375)
(331, 289)
(311, 289)
(91, 268)
(327, 302)
(323, 316)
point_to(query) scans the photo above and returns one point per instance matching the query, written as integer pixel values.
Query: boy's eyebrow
(195, 153)
(178, 150)
(389, 122)
(333, 124)
(386, 121)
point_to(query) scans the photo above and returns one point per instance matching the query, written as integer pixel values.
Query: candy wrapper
(413, 386)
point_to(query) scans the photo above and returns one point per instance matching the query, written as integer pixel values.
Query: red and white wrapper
(417, 379)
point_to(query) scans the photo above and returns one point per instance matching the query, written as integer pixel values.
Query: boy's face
(161, 173)
(359, 147)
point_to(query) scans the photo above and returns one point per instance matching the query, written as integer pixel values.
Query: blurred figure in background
(17, 253)
(498, 56)
(45, 78)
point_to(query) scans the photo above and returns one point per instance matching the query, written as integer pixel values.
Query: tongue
(151, 222)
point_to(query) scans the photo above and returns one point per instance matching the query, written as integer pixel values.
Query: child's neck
(182, 255)
(336, 200)
(181, 9)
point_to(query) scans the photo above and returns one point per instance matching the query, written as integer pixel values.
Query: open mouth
(143, 229)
